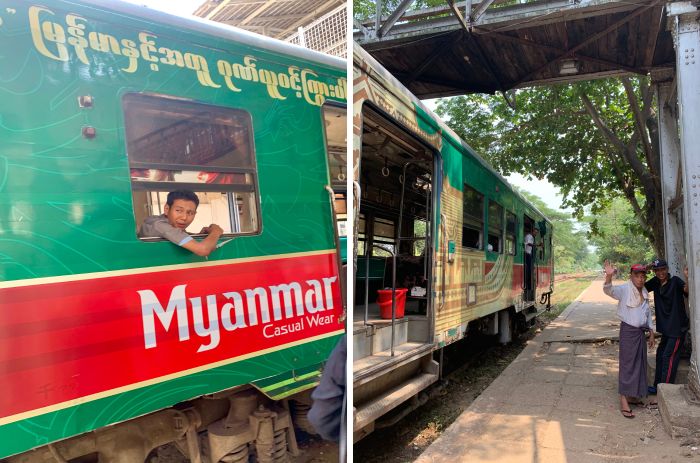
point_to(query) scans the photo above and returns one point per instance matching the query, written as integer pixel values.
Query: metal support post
(671, 185)
(685, 26)
(378, 18)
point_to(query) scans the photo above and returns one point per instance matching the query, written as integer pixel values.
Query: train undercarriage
(239, 425)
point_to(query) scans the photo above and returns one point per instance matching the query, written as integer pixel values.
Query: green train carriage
(439, 228)
(104, 108)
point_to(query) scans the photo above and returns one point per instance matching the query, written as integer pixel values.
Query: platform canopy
(494, 46)
(274, 18)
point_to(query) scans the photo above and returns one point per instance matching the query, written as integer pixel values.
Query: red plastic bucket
(384, 301)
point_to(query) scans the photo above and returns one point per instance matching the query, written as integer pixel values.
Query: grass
(564, 294)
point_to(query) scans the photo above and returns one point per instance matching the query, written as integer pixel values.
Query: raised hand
(609, 269)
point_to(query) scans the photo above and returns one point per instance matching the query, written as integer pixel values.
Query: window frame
(230, 190)
(500, 228)
(472, 225)
(512, 235)
(333, 105)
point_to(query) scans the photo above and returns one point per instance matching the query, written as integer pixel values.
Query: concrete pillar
(669, 146)
(684, 22)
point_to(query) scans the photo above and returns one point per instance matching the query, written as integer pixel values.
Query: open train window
(495, 239)
(511, 225)
(175, 144)
(472, 218)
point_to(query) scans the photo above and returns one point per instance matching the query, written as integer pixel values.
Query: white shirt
(529, 243)
(632, 307)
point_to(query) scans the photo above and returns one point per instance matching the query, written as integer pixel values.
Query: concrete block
(680, 417)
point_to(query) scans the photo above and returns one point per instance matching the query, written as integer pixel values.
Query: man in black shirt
(671, 320)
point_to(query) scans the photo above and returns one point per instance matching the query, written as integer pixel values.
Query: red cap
(638, 268)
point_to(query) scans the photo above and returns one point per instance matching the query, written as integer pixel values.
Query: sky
(549, 193)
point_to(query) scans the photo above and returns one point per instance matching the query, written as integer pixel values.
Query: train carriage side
(437, 229)
(105, 108)
(481, 262)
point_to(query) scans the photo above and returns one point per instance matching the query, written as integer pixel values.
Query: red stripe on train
(544, 275)
(63, 341)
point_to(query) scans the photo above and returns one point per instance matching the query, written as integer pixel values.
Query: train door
(392, 335)
(334, 122)
(529, 260)
(545, 259)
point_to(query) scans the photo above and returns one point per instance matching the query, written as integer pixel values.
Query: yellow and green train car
(444, 233)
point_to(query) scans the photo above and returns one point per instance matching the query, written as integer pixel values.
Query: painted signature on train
(57, 41)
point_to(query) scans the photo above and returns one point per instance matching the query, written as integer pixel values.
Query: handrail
(393, 257)
(393, 292)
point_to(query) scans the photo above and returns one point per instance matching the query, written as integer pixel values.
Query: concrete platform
(680, 417)
(558, 402)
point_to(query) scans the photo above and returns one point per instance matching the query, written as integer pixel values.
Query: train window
(511, 226)
(383, 235)
(472, 218)
(419, 230)
(174, 144)
(334, 119)
(361, 236)
(334, 123)
(495, 238)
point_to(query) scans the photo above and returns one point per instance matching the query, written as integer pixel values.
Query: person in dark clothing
(671, 321)
(327, 414)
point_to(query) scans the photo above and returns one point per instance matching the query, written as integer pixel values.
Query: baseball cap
(659, 263)
(638, 268)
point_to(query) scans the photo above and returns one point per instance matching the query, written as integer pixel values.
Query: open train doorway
(395, 225)
(529, 259)
(392, 331)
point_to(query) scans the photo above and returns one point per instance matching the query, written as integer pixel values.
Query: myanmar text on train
(243, 309)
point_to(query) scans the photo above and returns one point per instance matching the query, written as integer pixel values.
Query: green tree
(596, 140)
(620, 238)
(363, 10)
(571, 253)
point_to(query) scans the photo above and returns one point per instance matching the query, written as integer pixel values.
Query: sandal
(653, 405)
(627, 413)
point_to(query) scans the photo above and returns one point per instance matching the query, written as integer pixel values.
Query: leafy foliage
(619, 237)
(596, 140)
(366, 9)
